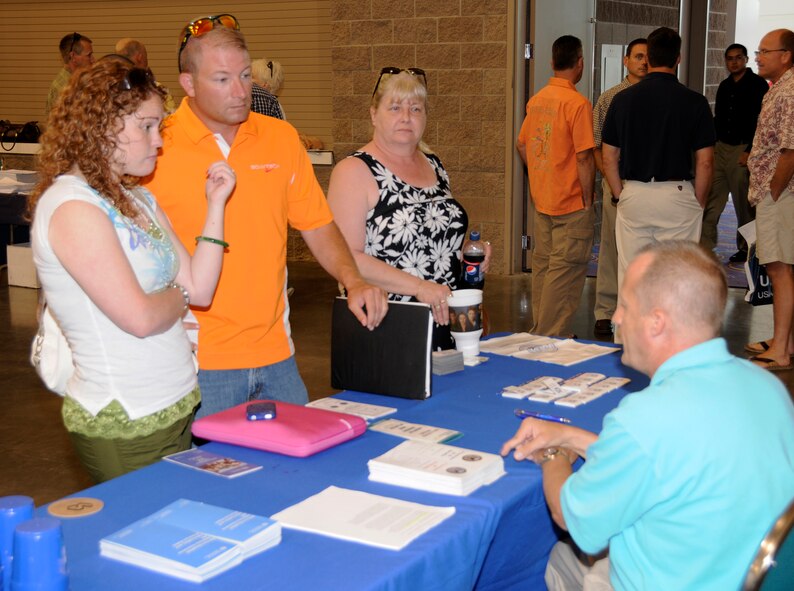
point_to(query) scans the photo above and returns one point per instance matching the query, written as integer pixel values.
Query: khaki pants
(654, 212)
(729, 177)
(774, 226)
(559, 266)
(567, 572)
(606, 297)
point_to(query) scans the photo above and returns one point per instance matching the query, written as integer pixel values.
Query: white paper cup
(465, 320)
(468, 343)
(465, 311)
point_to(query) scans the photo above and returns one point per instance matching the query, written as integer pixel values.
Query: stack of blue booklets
(192, 540)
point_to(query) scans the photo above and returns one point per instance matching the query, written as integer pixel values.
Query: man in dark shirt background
(649, 134)
(735, 116)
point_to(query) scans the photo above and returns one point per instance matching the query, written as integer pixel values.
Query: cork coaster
(75, 507)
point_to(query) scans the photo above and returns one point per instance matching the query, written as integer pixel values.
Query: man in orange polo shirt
(556, 143)
(244, 347)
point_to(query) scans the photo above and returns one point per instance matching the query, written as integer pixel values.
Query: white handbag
(50, 354)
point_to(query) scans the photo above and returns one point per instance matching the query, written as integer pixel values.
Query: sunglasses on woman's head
(137, 78)
(393, 70)
(204, 25)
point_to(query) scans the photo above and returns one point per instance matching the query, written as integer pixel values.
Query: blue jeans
(225, 388)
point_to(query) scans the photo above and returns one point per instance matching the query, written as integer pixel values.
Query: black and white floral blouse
(417, 230)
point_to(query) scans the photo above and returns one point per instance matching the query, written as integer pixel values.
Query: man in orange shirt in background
(244, 347)
(556, 143)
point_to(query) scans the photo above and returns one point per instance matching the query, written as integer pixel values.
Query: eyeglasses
(270, 67)
(392, 71)
(765, 51)
(204, 25)
(136, 78)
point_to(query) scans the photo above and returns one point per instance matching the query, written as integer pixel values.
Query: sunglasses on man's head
(204, 25)
(392, 71)
(75, 38)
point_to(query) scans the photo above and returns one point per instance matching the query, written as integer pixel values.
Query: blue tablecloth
(499, 537)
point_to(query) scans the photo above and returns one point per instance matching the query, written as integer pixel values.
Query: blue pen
(528, 414)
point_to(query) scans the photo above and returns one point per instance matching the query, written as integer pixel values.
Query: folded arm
(86, 244)
(199, 274)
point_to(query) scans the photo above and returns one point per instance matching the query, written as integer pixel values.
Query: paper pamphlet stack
(363, 517)
(564, 352)
(446, 362)
(192, 540)
(436, 467)
(573, 392)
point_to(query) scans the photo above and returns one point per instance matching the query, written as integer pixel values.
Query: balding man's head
(672, 298)
(134, 50)
(688, 282)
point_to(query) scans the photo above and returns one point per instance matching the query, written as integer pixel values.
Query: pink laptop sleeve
(296, 431)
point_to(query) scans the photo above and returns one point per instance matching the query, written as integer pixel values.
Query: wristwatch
(551, 453)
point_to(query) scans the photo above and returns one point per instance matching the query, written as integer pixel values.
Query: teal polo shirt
(687, 475)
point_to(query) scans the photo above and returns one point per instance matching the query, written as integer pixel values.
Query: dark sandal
(770, 364)
(759, 347)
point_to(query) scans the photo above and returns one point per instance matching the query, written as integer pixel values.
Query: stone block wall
(462, 46)
(619, 22)
(716, 43)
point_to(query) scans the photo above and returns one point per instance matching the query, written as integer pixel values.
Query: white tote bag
(50, 354)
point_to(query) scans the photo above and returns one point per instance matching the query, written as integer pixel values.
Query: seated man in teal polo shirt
(687, 475)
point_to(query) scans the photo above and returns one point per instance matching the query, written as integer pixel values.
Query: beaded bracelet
(213, 240)
(185, 294)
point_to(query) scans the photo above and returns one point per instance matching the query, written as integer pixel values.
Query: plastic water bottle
(473, 256)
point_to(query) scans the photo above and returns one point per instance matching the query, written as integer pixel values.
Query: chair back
(773, 566)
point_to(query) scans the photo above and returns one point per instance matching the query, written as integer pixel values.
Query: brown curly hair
(83, 127)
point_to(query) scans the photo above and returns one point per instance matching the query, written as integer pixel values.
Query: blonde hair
(401, 86)
(217, 37)
(268, 73)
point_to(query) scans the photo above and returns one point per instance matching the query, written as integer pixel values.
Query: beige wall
(463, 47)
(294, 32)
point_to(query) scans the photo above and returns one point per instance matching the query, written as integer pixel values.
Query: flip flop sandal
(758, 347)
(770, 364)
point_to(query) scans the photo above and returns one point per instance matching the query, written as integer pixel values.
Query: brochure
(192, 540)
(207, 461)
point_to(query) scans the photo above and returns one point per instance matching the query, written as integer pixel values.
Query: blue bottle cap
(474, 235)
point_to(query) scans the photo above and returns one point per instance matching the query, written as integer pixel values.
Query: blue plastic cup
(13, 511)
(39, 557)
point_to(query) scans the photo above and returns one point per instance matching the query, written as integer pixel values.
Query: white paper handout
(363, 517)
(368, 412)
(415, 431)
(563, 352)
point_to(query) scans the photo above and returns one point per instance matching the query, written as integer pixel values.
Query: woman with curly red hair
(115, 277)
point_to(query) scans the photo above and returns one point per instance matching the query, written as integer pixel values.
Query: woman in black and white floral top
(392, 202)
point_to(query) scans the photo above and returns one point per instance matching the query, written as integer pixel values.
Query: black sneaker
(738, 257)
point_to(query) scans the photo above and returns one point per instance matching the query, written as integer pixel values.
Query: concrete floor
(37, 455)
